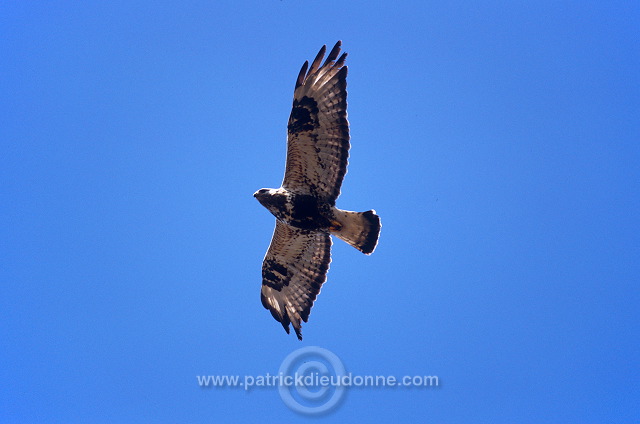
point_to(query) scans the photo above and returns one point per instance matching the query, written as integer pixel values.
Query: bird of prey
(296, 264)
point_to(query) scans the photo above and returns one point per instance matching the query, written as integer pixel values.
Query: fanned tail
(360, 229)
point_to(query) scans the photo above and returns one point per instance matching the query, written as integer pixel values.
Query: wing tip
(302, 74)
(333, 54)
(316, 62)
(332, 61)
(282, 316)
(298, 331)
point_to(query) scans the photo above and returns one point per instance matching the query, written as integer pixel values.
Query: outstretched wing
(294, 269)
(318, 130)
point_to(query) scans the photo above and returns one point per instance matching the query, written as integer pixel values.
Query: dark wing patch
(304, 116)
(293, 271)
(318, 130)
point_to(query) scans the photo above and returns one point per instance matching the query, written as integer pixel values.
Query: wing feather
(318, 130)
(293, 271)
(316, 62)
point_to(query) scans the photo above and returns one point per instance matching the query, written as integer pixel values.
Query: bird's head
(261, 193)
(271, 198)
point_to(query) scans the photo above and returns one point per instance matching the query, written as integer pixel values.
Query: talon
(335, 226)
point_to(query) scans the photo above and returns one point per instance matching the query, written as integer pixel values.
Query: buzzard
(296, 264)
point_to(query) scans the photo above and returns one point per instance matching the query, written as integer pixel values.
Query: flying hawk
(296, 264)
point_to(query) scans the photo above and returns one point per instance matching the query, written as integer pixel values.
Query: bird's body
(296, 264)
(299, 210)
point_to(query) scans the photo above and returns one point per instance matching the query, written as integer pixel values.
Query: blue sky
(497, 141)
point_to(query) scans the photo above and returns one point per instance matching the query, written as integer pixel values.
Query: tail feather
(359, 229)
